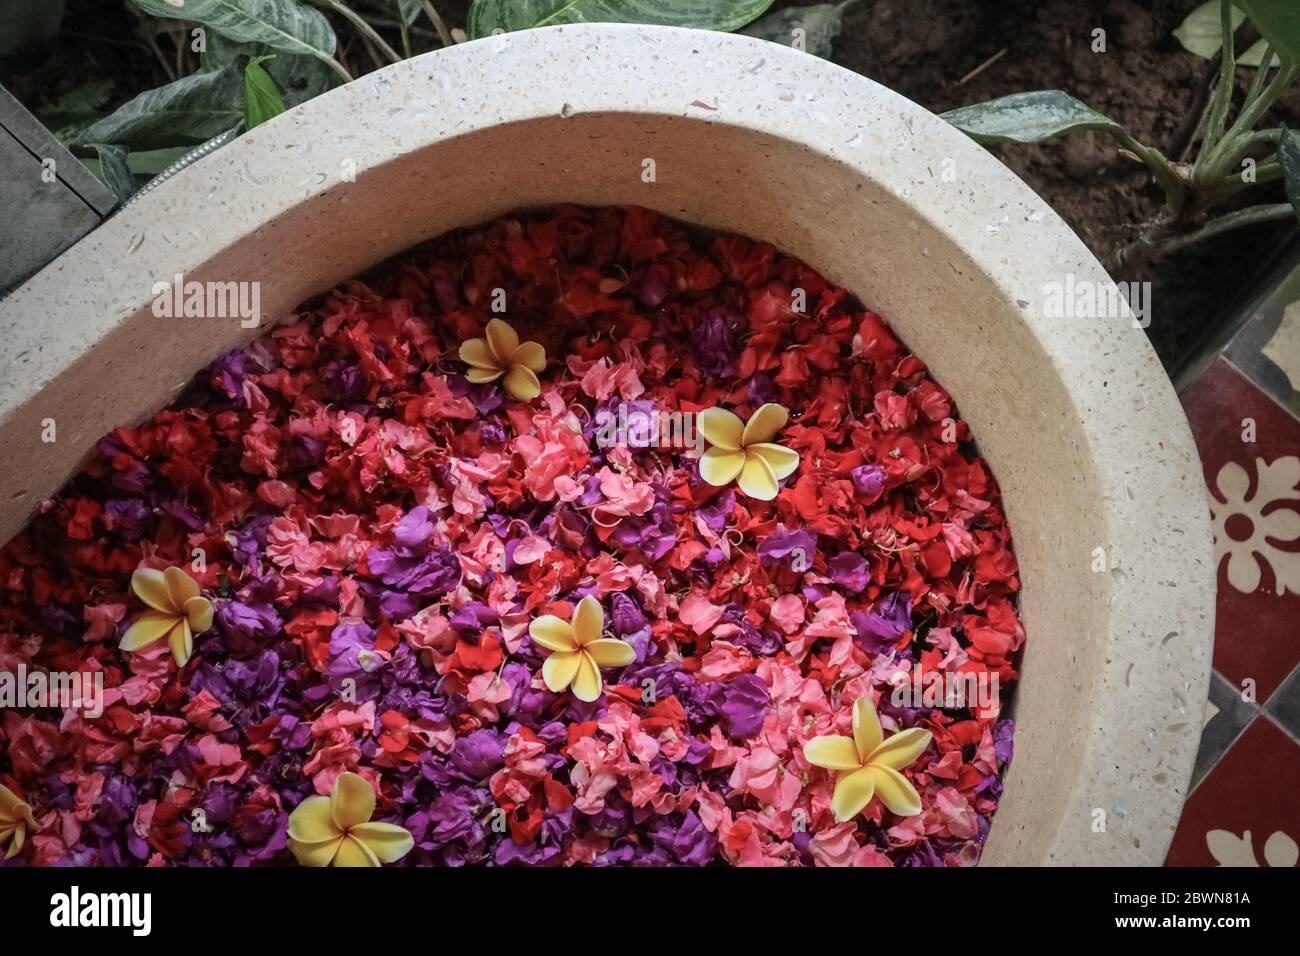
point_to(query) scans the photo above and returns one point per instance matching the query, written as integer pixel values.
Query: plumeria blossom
(337, 830)
(578, 651)
(744, 452)
(868, 765)
(501, 353)
(16, 822)
(178, 612)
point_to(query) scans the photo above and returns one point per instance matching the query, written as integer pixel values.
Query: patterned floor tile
(1284, 707)
(1245, 812)
(1250, 447)
(1266, 349)
(1228, 716)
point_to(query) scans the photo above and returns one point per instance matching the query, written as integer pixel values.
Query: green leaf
(811, 29)
(488, 16)
(1254, 55)
(192, 109)
(114, 170)
(1202, 32)
(1288, 156)
(1278, 22)
(218, 51)
(1028, 118)
(285, 26)
(261, 99)
(151, 162)
(28, 23)
(298, 78)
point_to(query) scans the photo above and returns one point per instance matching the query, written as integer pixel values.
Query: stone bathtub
(1085, 435)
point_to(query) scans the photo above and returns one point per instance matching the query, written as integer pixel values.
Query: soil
(924, 49)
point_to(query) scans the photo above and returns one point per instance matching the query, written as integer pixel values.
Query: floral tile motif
(1231, 849)
(1250, 448)
(1220, 828)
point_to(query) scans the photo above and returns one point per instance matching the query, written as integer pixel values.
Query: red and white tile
(1247, 811)
(1250, 447)
(1244, 807)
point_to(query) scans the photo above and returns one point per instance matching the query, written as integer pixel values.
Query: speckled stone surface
(1081, 426)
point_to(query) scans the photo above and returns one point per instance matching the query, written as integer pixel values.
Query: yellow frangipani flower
(578, 652)
(16, 822)
(336, 830)
(868, 766)
(746, 450)
(179, 612)
(501, 353)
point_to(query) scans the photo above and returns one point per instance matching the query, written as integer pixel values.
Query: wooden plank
(48, 199)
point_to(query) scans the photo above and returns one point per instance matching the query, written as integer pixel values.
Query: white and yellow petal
(149, 627)
(756, 478)
(853, 791)
(16, 822)
(180, 588)
(783, 461)
(181, 642)
(866, 727)
(895, 791)
(320, 853)
(611, 652)
(11, 808)
(476, 354)
(522, 383)
(352, 801)
(832, 753)
(387, 841)
(559, 670)
(720, 467)
(721, 428)
(312, 822)
(502, 340)
(587, 683)
(552, 633)
(588, 621)
(198, 611)
(764, 424)
(353, 852)
(18, 837)
(481, 376)
(150, 586)
(900, 750)
(531, 355)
